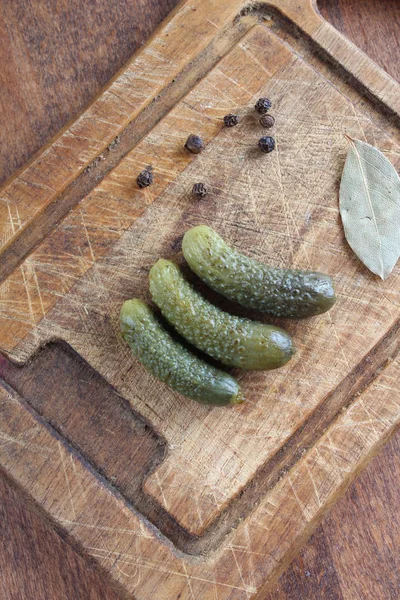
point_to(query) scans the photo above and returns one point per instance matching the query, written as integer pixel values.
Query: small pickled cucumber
(281, 292)
(234, 341)
(171, 362)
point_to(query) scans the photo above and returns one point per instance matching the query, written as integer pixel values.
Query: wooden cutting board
(227, 496)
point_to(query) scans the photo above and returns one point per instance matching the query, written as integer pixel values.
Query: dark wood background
(55, 55)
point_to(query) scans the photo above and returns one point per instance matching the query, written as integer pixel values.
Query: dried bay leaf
(370, 207)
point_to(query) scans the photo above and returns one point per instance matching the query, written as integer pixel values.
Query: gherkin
(234, 341)
(168, 360)
(281, 292)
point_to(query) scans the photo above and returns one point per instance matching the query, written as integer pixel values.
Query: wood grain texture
(36, 562)
(372, 26)
(80, 155)
(353, 554)
(90, 146)
(135, 554)
(75, 284)
(98, 422)
(56, 57)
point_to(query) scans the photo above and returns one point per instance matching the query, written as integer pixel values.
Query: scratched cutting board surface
(233, 493)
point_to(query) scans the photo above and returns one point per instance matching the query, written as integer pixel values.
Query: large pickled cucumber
(281, 292)
(171, 362)
(234, 341)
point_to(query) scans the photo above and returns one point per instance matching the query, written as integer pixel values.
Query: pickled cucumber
(171, 362)
(281, 292)
(234, 341)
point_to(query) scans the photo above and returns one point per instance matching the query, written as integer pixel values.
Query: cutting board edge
(305, 17)
(317, 513)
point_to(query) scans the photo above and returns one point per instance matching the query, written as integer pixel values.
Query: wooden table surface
(55, 57)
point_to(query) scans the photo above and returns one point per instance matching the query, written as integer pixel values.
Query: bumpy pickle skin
(234, 341)
(281, 292)
(172, 363)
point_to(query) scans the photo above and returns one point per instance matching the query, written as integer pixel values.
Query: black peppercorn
(194, 144)
(263, 105)
(145, 178)
(199, 190)
(267, 121)
(231, 120)
(266, 143)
